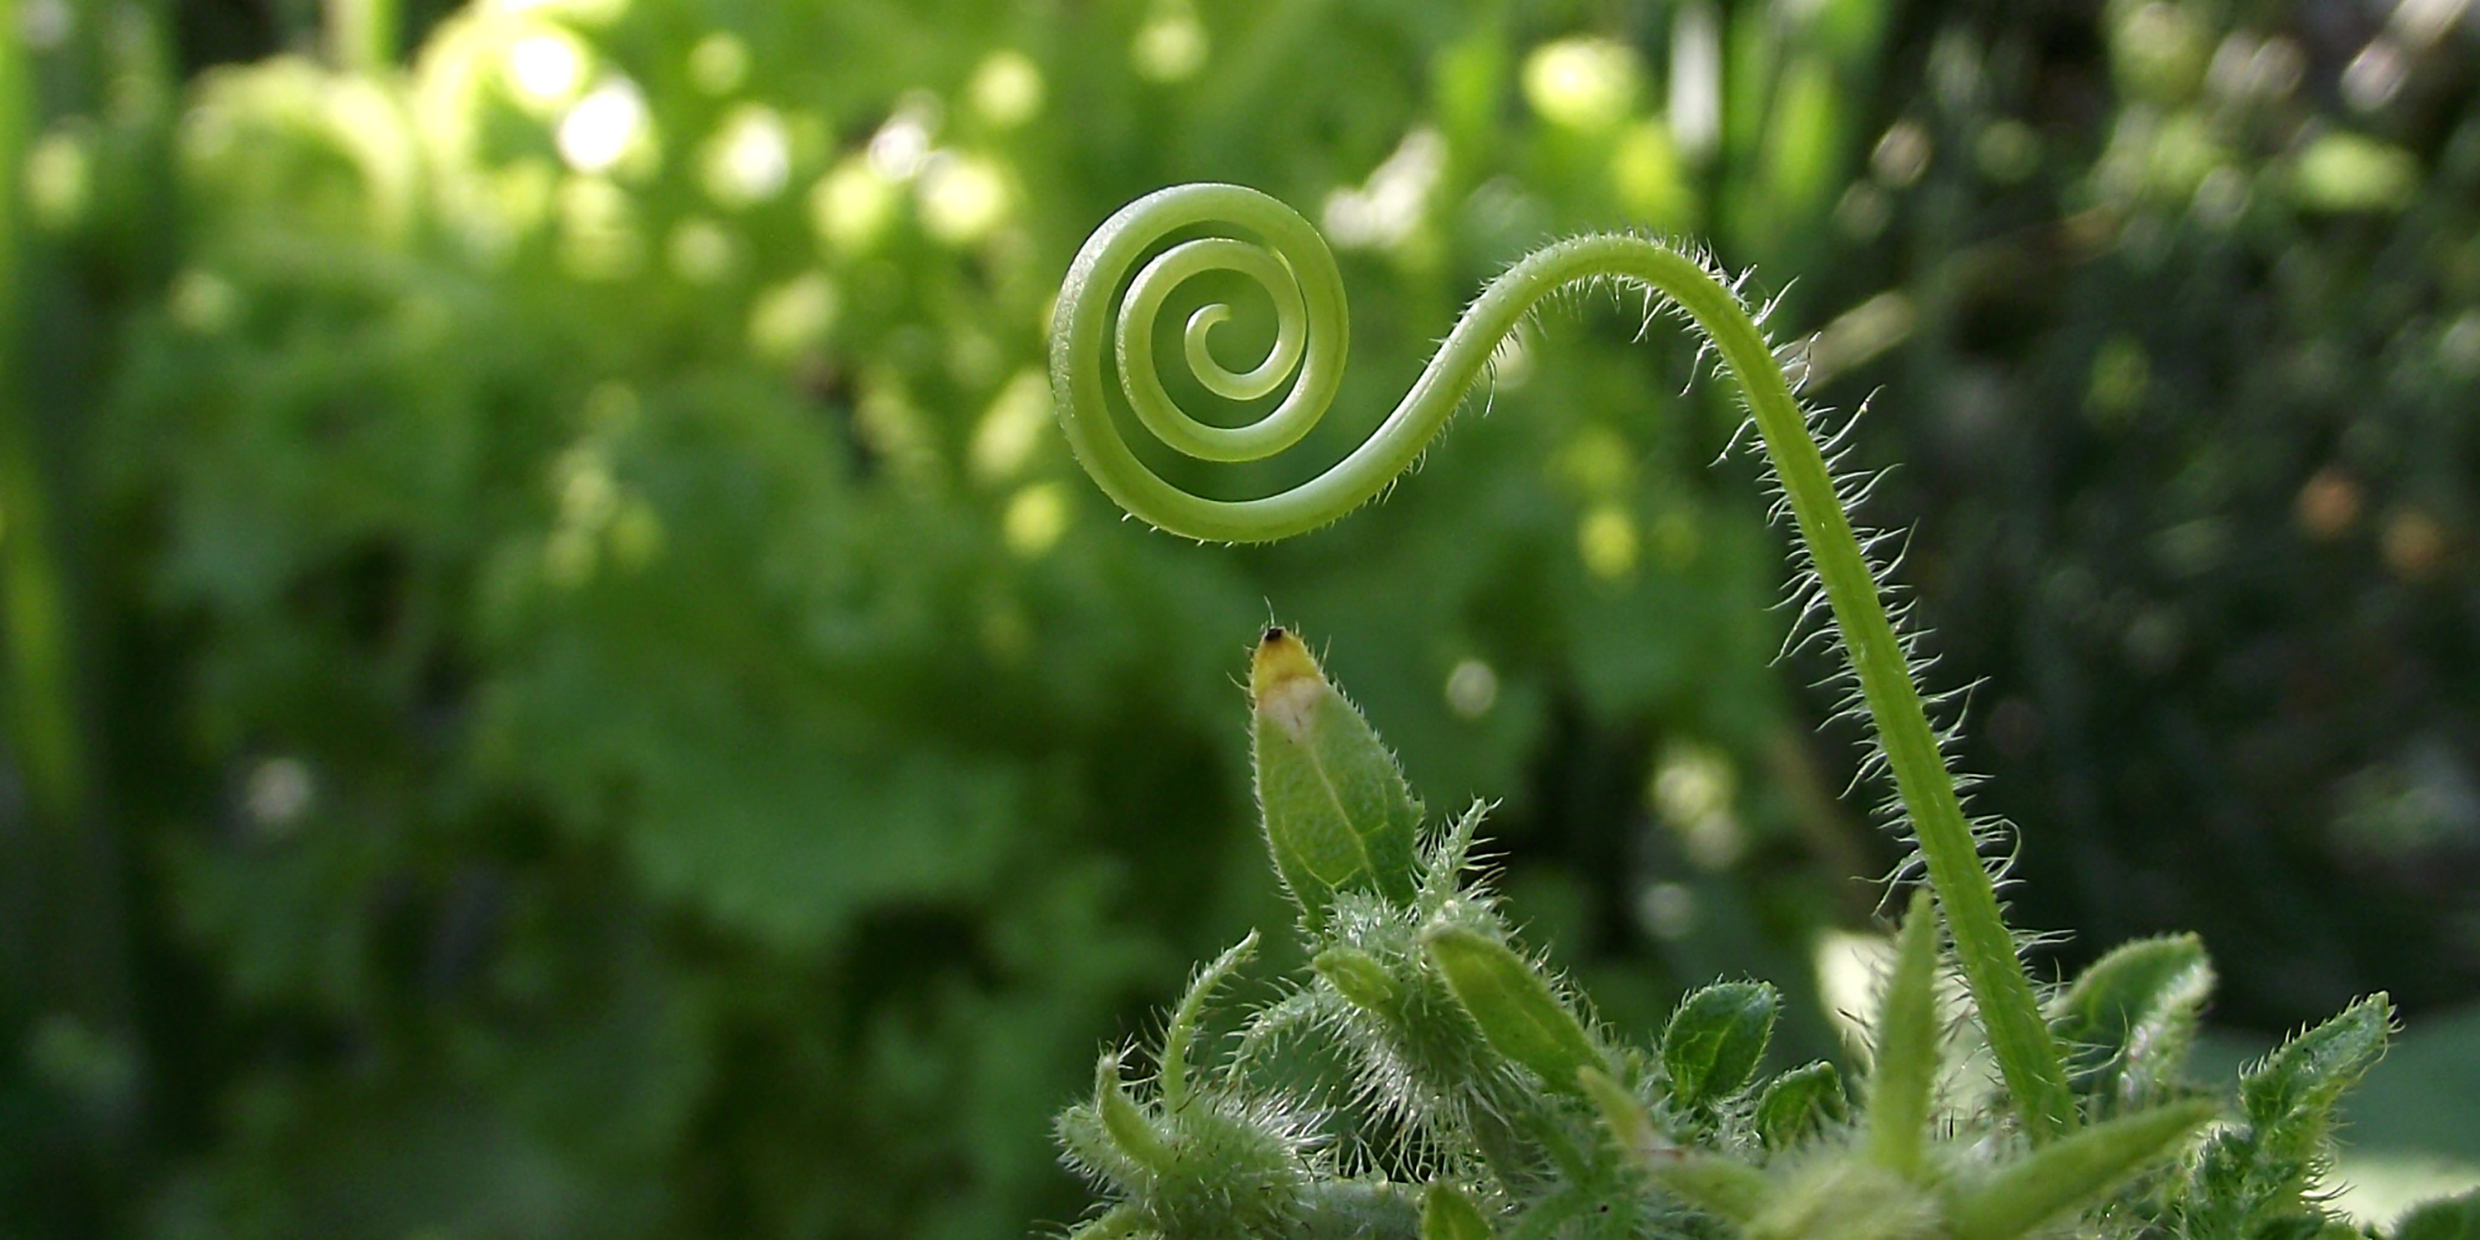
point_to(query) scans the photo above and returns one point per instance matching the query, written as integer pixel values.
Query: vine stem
(1094, 325)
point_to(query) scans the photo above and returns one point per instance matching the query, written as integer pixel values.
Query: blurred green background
(558, 679)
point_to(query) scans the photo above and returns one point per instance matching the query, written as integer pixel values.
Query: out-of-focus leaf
(1800, 1102)
(2129, 1018)
(2454, 1218)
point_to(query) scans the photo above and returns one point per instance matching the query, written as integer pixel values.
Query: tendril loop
(1285, 258)
(1309, 397)
(1126, 264)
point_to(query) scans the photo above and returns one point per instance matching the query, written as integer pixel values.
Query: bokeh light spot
(852, 206)
(602, 127)
(1472, 688)
(792, 317)
(719, 63)
(59, 174)
(546, 69)
(1008, 433)
(1606, 538)
(749, 158)
(1170, 48)
(1007, 89)
(1585, 83)
(1036, 517)
(963, 198)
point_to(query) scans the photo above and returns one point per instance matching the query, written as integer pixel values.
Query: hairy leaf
(1513, 1004)
(1716, 1038)
(1800, 1102)
(2128, 1020)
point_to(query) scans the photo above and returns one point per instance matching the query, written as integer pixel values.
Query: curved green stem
(1308, 295)
(1190, 1014)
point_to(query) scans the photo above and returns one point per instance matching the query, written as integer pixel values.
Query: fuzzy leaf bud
(1358, 977)
(1513, 1004)
(1716, 1038)
(1338, 814)
(1799, 1103)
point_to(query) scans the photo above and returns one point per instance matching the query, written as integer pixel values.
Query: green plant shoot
(1290, 261)
(1338, 814)
(1427, 1077)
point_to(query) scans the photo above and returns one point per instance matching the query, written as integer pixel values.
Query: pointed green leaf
(2448, 1218)
(1445, 862)
(2070, 1171)
(1716, 1038)
(2128, 1021)
(1126, 1123)
(1448, 1214)
(1337, 811)
(1512, 1003)
(2289, 1098)
(2259, 1180)
(1905, 1073)
(1800, 1103)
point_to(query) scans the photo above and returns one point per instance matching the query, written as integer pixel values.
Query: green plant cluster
(1430, 1078)
(1478, 1084)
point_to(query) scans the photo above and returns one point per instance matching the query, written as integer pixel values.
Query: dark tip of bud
(1274, 633)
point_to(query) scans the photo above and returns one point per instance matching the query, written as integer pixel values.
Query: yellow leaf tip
(1284, 680)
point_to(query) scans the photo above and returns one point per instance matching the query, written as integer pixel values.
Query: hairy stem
(1191, 1013)
(1095, 331)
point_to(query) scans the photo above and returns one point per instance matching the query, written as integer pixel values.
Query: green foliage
(1799, 1103)
(1485, 1085)
(2130, 1018)
(1716, 1038)
(588, 602)
(554, 684)
(2454, 1218)
(1463, 1064)
(2259, 1179)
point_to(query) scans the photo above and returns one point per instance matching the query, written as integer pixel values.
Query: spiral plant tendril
(1292, 263)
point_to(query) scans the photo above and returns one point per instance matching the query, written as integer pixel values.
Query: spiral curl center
(1104, 310)
(1143, 386)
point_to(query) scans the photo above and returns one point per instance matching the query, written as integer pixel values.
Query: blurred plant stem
(65, 967)
(41, 722)
(362, 34)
